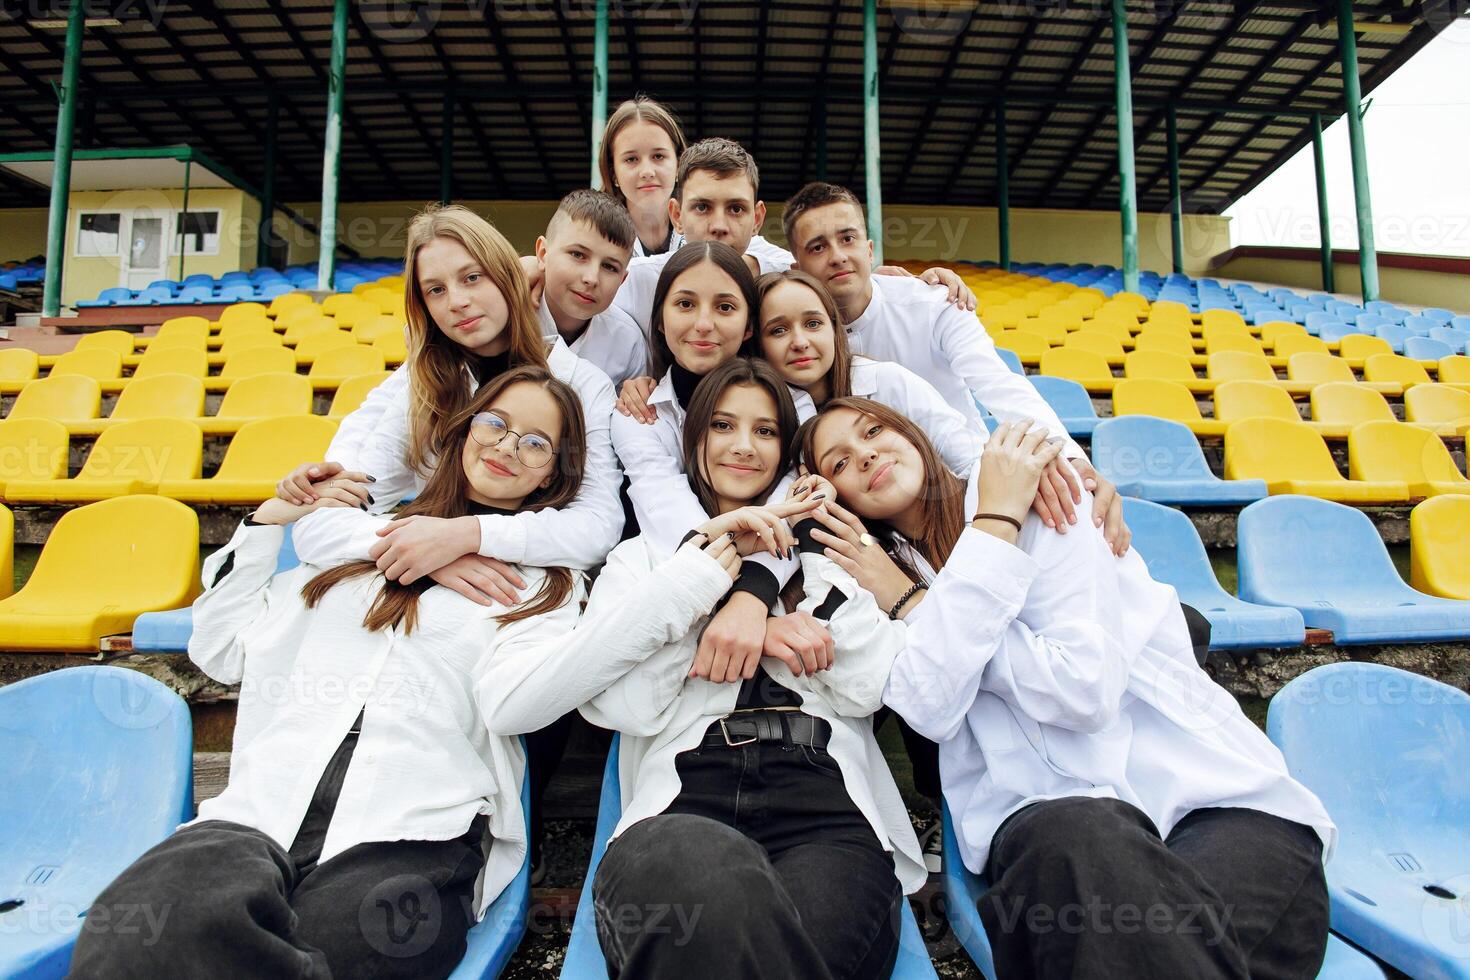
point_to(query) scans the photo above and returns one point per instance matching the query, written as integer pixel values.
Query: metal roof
(203, 73)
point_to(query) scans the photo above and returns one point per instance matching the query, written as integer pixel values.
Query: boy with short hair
(583, 259)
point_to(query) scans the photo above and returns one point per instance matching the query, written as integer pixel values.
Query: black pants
(1084, 887)
(222, 899)
(762, 867)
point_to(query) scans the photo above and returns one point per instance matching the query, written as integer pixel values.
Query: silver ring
(865, 539)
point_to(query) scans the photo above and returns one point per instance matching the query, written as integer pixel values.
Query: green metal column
(599, 90)
(1352, 94)
(184, 218)
(268, 184)
(1324, 218)
(61, 162)
(446, 148)
(1127, 192)
(1176, 203)
(1003, 184)
(870, 128)
(332, 154)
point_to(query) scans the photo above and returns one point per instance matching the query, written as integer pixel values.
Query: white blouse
(425, 764)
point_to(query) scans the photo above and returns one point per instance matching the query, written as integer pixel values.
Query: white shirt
(676, 241)
(576, 536)
(611, 342)
(1053, 669)
(635, 295)
(425, 764)
(633, 650)
(957, 440)
(912, 323)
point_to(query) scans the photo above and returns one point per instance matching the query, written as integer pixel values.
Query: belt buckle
(732, 744)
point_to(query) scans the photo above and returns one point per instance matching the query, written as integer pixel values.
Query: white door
(146, 254)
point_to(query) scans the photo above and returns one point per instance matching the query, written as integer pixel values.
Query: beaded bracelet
(893, 613)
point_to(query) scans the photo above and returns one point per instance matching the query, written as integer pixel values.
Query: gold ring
(865, 539)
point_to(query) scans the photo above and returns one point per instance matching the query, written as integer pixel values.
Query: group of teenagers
(737, 504)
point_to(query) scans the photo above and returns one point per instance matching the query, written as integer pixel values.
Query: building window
(98, 233)
(196, 233)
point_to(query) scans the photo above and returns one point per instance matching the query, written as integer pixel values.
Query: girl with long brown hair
(365, 775)
(1089, 762)
(637, 160)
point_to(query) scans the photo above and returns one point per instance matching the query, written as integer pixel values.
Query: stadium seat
(1236, 400)
(1165, 400)
(1357, 348)
(1274, 330)
(1226, 318)
(131, 457)
(1011, 359)
(311, 345)
(1172, 549)
(1395, 337)
(1103, 344)
(103, 565)
(1436, 404)
(32, 449)
(1428, 349)
(1386, 751)
(386, 300)
(172, 360)
(1218, 341)
(369, 329)
(1121, 331)
(266, 395)
(1337, 406)
(584, 960)
(288, 301)
(186, 339)
(1027, 346)
(493, 940)
(1052, 334)
(1316, 368)
(1292, 458)
(352, 391)
(274, 359)
(1455, 340)
(1439, 562)
(64, 399)
(1086, 367)
(394, 347)
(1159, 460)
(1394, 367)
(302, 328)
(1454, 369)
(250, 341)
(161, 396)
(97, 765)
(1329, 562)
(1172, 343)
(1290, 344)
(257, 456)
(1070, 401)
(99, 364)
(346, 362)
(1383, 451)
(7, 551)
(1161, 365)
(118, 341)
(19, 364)
(1234, 365)
(242, 313)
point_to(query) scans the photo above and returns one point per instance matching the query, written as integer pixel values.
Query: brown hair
(942, 505)
(602, 211)
(447, 495)
(817, 194)
(702, 405)
(717, 155)
(640, 108)
(436, 365)
(839, 376)
(731, 262)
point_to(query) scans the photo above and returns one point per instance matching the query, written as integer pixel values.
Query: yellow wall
(1413, 287)
(84, 278)
(22, 233)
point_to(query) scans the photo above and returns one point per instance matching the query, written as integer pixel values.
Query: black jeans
(223, 899)
(762, 867)
(1084, 887)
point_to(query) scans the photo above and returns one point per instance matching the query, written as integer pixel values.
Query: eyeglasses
(489, 429)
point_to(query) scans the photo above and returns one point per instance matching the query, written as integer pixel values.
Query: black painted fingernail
(363, 506)
(372, 479)
(820, 496)
(371, 500)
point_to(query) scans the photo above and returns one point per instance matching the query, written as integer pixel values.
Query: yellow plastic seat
(242, 313)
(395, 282)
(259, 455)
(1163, 366)
(1236, 400)
(172, 360)
(1062, 316)
(288, 301)
(1098, 343)
(1439, 562)
(185, 340)
(1290, 344)
(32, 449)
(1222, 318)
(1163, 399)
(1006, 316)
(19, 365)
(158, 396)
(1027, 346)
(1173, 343)
(1314, 368)
(1338, 406)
(1292, 458)
(351, 392)
(1053, 333)
(1454, 369)
(1382, 451)
(128, 458)
(367, 330)
(1086, 367)
(1182, 326)
(299, 330)
(309, 348)
(1116, 329)
(395, 347)
(119, 341)
(1395, 367)
(347, 308)
(1237, 365)
(259, 396)
(1358, 347)
(187, 324)
(341, 363)
(1165, 308)
(104, 565)
(1274, 330)
(246, 328)
(250, 341)
(270, 359)
(64, 399)
(98, 364)
(1131, 300)
(386, 300)
(1217, 341)
(7, 552)
(1436, 404)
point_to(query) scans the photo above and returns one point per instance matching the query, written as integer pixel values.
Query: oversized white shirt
(1053, 669)
(425, 764)
(611, 342)
(576, 536)
(635, 295)
(913, 324)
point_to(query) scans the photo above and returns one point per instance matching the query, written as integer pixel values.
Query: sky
(1417, 130)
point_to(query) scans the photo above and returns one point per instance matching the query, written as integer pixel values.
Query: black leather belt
(787, 727)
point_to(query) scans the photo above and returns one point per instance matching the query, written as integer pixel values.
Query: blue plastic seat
(1387, 752)
(1331, 331)
(1328, 561)
(169, 631)
(1420, 325)
(1344, 309)
(493, 940)
(1160, 460)
(97, 766)
(1455, 340)
(196, 294)
(1369, 323)
(1172, 549)
(1314, 321)
(1396, 337)
(584, 960)
(1437, 313)
(1460, 323)
(963, 890)
(1012, 360)
(110, 297)
(1428, 348)
(1070, 401)
(199, 279)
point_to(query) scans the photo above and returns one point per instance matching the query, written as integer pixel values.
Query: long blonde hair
(436, 365)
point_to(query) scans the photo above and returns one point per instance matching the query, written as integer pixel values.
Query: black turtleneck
(685, 381)
(484, 368)
(477, 509)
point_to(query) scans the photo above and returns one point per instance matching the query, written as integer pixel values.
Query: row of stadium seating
(259, 284)
(15, 275)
